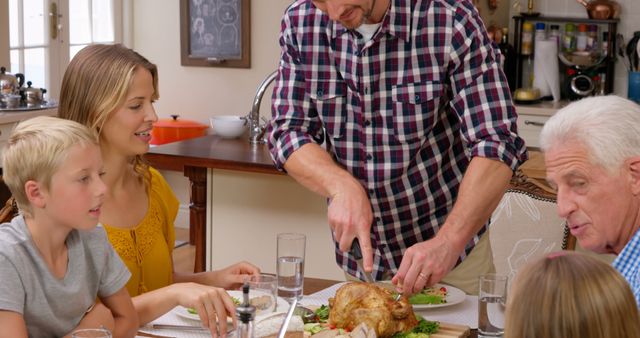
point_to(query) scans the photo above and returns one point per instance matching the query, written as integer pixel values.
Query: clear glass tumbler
(290, 265)
(263, 293)
(492, 297)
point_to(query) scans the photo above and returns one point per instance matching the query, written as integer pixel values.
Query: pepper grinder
(246, 313)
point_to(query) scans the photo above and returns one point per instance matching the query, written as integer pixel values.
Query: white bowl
(228, 126)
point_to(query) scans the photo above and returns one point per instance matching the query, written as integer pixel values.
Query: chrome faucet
(257, 126)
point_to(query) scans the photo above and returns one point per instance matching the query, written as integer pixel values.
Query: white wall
(199, 92)
(249, 209)
(196, 93)
(498, 17)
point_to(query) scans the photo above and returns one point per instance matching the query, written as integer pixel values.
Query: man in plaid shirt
(398, 113)
(592, 156)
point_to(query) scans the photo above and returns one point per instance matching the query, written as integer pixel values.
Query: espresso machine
(583, 75)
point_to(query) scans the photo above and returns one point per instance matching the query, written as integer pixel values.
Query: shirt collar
(397, 21)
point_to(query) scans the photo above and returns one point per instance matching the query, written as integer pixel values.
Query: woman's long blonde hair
(95, 85)
(571, 295)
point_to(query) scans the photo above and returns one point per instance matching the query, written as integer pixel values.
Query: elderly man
(592, 154)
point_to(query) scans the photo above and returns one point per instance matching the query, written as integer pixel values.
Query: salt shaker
(246, 314)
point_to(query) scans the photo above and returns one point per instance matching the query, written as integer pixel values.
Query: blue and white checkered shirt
(628, 263)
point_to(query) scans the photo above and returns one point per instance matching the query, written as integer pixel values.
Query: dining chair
(9, 208)
(525, 226)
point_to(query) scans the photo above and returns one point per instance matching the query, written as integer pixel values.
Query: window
(45, 34)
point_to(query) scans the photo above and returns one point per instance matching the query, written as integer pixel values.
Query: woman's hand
(233, 276)
(213, 305)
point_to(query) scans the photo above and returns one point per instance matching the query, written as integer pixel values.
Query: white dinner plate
(454, 296)
(281, 305)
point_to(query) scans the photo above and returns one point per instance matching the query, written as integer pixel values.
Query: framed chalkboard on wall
(215, 33)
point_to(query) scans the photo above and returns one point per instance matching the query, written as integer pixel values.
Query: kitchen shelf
(607, 66)
(565, 19)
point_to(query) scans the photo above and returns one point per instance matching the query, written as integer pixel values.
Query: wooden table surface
(313, 285)
(213, 152)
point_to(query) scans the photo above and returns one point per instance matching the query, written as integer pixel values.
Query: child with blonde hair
(54, 261)
(570, 295)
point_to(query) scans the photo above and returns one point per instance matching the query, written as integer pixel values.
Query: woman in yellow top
(112, 88)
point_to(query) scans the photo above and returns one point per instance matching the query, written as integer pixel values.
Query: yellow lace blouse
(147, 248)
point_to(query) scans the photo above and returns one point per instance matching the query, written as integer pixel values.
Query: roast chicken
(358, 302)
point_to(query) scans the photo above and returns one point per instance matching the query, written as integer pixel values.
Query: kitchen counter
(20, 115)
(544, 108)
(213, 152)
(10, 118)
(193, 157)
(532, 117)
(239, 201)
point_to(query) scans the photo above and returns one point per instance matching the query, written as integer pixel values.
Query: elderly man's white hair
(608, 126)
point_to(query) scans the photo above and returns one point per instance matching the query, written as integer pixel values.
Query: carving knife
(356, 252)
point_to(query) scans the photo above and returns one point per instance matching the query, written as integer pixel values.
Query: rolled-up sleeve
(294, 121)
(481, 96)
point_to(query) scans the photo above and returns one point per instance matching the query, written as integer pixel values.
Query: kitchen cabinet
(8, 120)
(239, 201)
(245, 212)
(531, 119)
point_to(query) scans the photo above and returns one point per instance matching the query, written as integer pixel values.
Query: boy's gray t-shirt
(52, 307)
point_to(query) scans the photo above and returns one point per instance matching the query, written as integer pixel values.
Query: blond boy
(54, 261)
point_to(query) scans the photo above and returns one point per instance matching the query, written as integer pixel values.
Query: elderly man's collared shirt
(403, 112)
(628, 263)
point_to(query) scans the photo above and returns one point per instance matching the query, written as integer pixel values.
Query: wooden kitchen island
(238, 198)
(194, 157)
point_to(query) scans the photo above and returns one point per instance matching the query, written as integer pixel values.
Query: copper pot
(601, 9)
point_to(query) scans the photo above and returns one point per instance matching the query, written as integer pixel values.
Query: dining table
(317, 292)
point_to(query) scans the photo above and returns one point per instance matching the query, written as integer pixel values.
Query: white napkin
(546, 76)
(172, 318)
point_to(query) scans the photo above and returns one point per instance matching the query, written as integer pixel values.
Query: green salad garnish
(422, 330)
(323, 313)
(430, 295)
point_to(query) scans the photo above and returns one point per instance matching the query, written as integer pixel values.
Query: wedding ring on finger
(422, 275)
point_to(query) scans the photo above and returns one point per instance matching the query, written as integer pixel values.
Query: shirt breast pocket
(415, 106)
(329, 98)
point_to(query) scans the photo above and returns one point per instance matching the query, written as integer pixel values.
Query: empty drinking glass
(290, 265)
(263, 293)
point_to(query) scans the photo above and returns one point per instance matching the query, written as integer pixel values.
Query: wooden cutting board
(448, 330)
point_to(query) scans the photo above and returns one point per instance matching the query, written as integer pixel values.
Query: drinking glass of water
(492, 297)
(263, 292)
(290, 265)
(91, 333)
